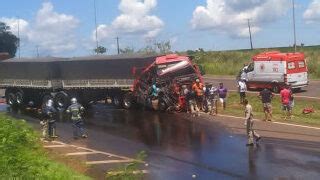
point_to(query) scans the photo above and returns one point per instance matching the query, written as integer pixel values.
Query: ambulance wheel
(275, 88)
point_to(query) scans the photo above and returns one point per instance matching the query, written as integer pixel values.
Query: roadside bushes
(21, 155)
(230, 62)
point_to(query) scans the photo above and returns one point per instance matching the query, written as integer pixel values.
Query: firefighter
(251, 133)
(76, 110)
(197, 87)
(49, 120)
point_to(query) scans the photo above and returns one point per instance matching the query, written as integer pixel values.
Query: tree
(8, 41)
(100, 50)
(127, 50)
(163, 47)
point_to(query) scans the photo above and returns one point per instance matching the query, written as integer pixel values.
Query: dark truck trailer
(93, 78)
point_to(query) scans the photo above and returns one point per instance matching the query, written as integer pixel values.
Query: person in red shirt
(286, 94)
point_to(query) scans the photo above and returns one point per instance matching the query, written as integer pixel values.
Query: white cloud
(51, 31)
(230, 16)
(135, 19)
(15, 24)
(312, 14)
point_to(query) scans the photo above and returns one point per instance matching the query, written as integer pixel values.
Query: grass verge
(231, 62)
(22, 156)
(236, 109)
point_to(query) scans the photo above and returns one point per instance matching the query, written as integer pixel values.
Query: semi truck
(274, 69)
(124, 79)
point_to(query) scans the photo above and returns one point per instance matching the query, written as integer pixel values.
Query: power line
(249, 27)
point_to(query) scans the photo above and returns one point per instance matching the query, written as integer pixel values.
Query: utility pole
(294, 27)
(249, 27)
(37, 51)
(118, 45)
(95, 21)
(19, 36)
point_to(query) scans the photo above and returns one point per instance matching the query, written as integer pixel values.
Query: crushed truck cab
(274, 69)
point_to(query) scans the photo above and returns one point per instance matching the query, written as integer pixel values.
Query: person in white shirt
(242, 90)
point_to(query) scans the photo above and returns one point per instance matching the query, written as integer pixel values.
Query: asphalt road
(179, 146)
(312, 90)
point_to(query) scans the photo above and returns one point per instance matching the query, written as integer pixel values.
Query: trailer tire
(127, 101)
(62, 100)
(116, 101)
(275, 88)
(162, 105)
(45, 98)
(19, 98)
(11, 99)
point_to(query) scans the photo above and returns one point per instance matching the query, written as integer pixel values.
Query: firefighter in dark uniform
(49, 120)
(76, 110)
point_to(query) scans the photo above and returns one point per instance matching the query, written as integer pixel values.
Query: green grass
(313, 119)
(22, 157)
(230, 62)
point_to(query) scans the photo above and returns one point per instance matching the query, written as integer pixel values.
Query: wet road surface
(210, 148)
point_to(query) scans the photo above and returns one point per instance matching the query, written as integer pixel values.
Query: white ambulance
(274, 69)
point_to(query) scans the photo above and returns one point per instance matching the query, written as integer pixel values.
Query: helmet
(197, 80)
(73, 100)
(49, 102)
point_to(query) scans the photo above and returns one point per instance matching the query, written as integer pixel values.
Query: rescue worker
(49, 120)
(211, 98)
(197, 87)
(76, 110)
(190, 99)
(249, 124)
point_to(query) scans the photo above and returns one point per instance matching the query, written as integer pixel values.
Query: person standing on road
(266, 96)
(222, 92)
(211, 97)
(242, 89)
(49, 121)
(76, 110)
(190, 99)
(251, 133)
(291, 102)
(197, 87)
(285, 100)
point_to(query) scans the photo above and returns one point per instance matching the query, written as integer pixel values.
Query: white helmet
(73, 100)
(49, 102)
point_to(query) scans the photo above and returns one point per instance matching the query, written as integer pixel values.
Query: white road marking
(288, 124)
(81, 153)
(105, 153)
(109, 161)
(133, 172)
(55, 146)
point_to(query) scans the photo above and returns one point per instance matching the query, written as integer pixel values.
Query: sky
(67, 27)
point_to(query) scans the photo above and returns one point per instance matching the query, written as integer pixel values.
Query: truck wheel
(45, 99)
(19, 98)
(162, 105)
(11, 99)
(275, 88)
(127, 101)
(62, 100)
(116, 101)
